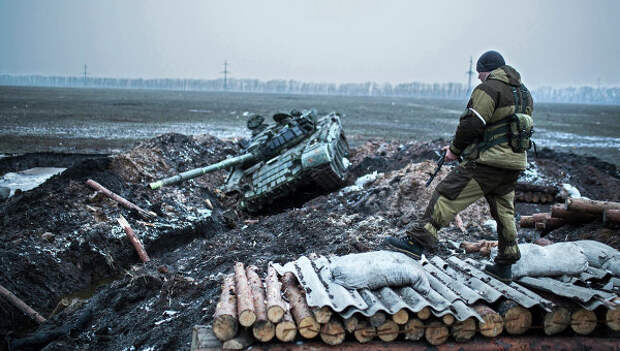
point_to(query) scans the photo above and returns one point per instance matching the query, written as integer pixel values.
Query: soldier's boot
(415, 243)
(503, 272)
(406, 246)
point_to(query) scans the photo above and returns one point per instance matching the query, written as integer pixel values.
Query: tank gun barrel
(193, 173)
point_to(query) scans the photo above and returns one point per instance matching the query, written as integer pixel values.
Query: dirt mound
(88, 274)
(58, 239)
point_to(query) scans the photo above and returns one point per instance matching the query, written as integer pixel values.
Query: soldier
(491, 167)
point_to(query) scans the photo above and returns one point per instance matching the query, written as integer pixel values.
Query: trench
(64, 276)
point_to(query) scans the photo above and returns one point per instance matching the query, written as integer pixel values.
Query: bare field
(106, 120)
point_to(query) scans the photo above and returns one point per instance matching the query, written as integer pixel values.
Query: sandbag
(548, 261)
(373, 270)
(600, 255)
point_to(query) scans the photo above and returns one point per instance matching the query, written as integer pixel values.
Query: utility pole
(85, 73)
(469, 74)
(226, 72)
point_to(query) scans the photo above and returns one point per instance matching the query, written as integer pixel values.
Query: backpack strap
(495, 133)
(524, 97)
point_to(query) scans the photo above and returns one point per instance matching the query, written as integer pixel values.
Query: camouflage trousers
(463, 186)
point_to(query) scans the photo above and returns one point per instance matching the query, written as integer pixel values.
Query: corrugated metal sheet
(456, 285)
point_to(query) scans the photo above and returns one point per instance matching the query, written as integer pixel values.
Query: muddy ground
(37, 119)
(63, 252)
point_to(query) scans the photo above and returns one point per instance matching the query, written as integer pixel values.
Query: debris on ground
(64, 254)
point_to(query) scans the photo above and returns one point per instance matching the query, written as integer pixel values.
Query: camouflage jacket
(491, 101)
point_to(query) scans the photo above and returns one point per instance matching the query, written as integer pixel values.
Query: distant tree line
(583, 94)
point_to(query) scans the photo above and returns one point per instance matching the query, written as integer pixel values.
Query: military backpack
(516, 129)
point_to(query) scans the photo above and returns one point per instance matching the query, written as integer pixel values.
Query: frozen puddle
(124, 130)
(28, 179)
(570, 140)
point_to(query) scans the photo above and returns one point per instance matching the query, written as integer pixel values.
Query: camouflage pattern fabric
(462, 187)
(492, 101)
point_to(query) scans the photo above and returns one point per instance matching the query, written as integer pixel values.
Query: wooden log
(306, 324)
(527, 196)
(573, 217)
(414, 329)
(377, 319)
(611, 217)
(436, 333)
(540, 225)
(286, 330)
(549, 198)
(535, 197)
(21, 305)
(137, 244)
(526, 222)
(245, 301)
(517, 320)
(546, 189)
(322, 314)
(541, 217)
(582, 321)
(556, 321)
(519, 195)
(364, 332)
(225, 317)
(262, 329)
(554, 223)
(464, 330)
(492, 324)
(203, 337)
(424, 313)
(448, 319)
(591, 206)
(122, 201)
(388, 331)
(401, 317)
(612, 318)
(332, 332)
(350, 324)
(275, 304)
(240, 342)
(544, 198)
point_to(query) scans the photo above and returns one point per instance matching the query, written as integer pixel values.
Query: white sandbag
(600, 255)
(548, 261)
(377, 269)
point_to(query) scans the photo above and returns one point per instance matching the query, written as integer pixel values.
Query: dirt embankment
(154, 305)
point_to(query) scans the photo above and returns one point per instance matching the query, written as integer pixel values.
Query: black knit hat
(489, 61)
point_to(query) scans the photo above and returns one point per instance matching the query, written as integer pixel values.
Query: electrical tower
(85, 73)
(469, 74)
(226, 72)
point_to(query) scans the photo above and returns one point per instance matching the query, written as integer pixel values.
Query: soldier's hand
(449, 155)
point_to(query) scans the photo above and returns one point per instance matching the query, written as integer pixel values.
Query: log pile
(574, 211)
(535, 193)
(242, 317)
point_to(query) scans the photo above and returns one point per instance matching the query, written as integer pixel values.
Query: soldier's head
(489, 61)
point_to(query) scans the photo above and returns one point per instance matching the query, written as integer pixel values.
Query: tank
(299, 149)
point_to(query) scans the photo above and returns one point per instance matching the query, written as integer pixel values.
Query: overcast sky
(551, 42)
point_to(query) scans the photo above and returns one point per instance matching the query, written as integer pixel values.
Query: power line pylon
(470, 73)
(85, 73)
(226, 72)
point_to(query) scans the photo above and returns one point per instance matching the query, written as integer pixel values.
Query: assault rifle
(440, 161)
